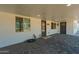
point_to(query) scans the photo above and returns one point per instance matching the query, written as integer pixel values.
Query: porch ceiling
(49, 11)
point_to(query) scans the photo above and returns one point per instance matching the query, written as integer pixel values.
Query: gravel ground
(54, 44)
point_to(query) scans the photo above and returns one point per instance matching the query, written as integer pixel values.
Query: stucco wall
(51, 31)
(69, 25)
(8, 34)
(69, 28)
(75, 25)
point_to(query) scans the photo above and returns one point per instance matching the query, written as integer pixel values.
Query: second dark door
(62, 27)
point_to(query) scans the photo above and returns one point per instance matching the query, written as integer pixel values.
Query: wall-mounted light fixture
(48, 24)
(57, 24)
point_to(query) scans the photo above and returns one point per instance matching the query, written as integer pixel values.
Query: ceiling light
(68, 5)
(75, 21)
(38, 15)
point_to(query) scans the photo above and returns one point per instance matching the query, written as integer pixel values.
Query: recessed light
(38, 15)
(68, 5)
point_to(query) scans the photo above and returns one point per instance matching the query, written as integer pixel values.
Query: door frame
(61, 31)
(42, 28)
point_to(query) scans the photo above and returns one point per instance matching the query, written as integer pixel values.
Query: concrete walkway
(54, 44)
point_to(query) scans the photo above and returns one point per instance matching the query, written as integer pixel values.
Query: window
(19, 24)
(22, 24)
(53, 25)
(26, 24)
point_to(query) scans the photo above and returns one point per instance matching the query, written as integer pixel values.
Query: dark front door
(62, 27)
(43, 27)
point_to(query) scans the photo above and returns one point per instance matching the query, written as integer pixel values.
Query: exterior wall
(69, 28)
(51, 31)
(8, 34)
(78, 27)
(75, 24)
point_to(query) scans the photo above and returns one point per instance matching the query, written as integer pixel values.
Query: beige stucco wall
(9, 36)
(75, 22)
(71, 26)
(52, 31)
